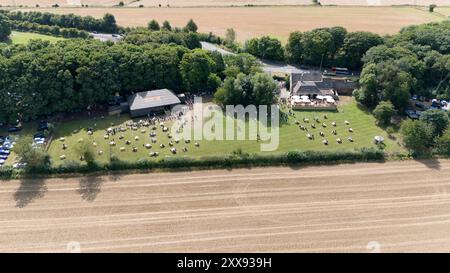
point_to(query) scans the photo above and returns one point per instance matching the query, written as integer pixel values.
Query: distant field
(24, 37)
(216, 3)
(274, 21)
(444, 10)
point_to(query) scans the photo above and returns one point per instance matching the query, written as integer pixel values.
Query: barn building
(154, 101)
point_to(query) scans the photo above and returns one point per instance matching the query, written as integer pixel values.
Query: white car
(19, 165)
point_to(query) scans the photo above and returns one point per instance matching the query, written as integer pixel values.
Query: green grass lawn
(25, 37)
(291, 137)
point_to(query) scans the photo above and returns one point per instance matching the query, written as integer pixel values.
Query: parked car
(4, 157)
(19, 165)
(5, 152)
(2, 161)
(7, 145)
(39, 135)
(2, 139)
(43, 125)
(420, 105)
(14, 129)
(412, 114)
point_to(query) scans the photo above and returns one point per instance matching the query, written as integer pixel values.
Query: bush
(417, 136)
(237, 159)
(384, 112)
(437, 119)
(443, 144)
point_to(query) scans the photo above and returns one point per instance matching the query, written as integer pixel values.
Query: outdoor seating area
(132, 136)
(305, 102)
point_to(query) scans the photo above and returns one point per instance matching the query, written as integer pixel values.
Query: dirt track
(402, 206)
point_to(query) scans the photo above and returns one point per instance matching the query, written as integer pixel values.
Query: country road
(390, 207)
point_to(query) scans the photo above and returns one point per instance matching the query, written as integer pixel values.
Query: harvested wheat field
(387, 207)
(217, 3)
(274, 21)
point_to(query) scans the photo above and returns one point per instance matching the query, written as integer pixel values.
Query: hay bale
(122, 149)
(62, 157)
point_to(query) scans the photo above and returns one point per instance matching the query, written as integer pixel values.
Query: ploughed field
(214, 3)
(273, 21)
(386, 207)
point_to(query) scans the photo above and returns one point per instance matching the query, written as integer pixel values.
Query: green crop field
(291, 137)
(25, 37)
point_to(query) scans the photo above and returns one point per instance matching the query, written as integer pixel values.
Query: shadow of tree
(431, 163)
(90, 187)
(28, 191)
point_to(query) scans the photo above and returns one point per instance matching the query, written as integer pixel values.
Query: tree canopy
(5, 27)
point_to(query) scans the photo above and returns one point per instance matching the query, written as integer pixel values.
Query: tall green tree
(355, 46)
(294, 47)
(191, 26)
(34, 157)
(166, 26)
(195, 68)
(437, 119)
(265, 48)
(417, 136)
(5, 27)
(153, 25)
(384, 112)
(318, 47)
(109, 23)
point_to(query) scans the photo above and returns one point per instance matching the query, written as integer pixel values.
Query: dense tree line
(141, 36)
(323, 46)
(265, 48)
(42, 78)
(106, 24)
(330, 47)
(414, 62)
(5, 27)
(49, 30)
